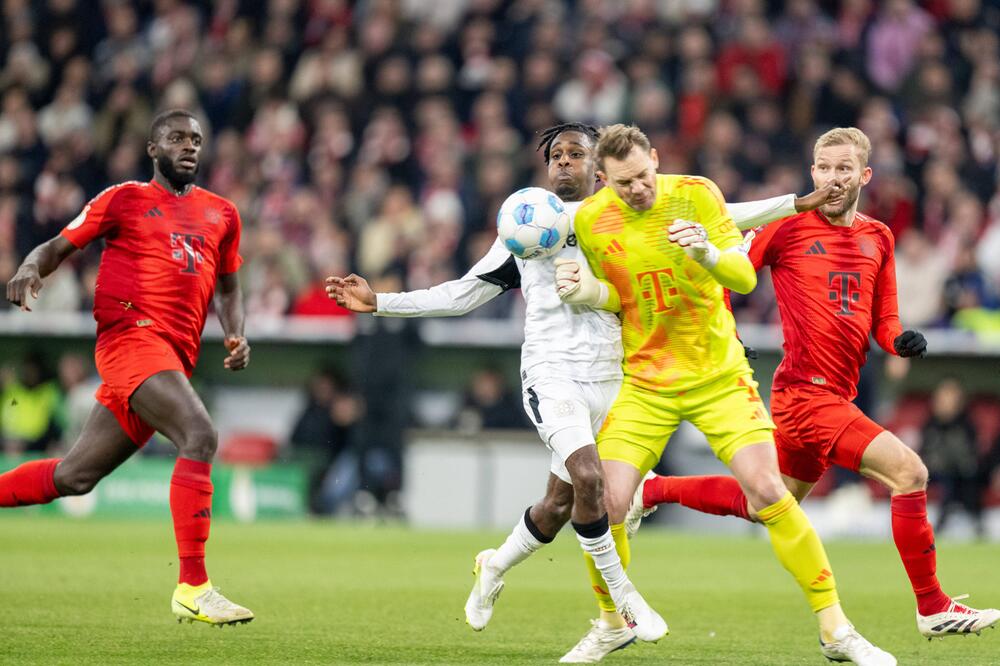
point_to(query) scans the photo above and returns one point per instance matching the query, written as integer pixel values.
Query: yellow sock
(800, 551)
(604, 601)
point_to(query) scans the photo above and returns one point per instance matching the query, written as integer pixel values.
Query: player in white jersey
(571, 372)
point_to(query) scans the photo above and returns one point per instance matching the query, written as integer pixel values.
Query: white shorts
(568, 414)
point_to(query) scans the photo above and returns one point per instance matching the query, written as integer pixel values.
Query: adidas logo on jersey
(816, 248)
(153, 212)
(614, 248)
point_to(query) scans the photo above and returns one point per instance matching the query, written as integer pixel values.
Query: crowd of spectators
(381, 135)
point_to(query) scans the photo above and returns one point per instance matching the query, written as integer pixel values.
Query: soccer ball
(533, 223)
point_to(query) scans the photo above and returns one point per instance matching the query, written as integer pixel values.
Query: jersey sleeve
(583, 223)
(492, 275)
(229, 252)
(885, 306)
(750, 214)
(712, 213)
(96, 219)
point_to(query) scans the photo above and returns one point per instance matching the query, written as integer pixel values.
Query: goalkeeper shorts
(728, 411)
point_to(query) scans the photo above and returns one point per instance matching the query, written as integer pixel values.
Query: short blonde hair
(843, 136)
(617, 141)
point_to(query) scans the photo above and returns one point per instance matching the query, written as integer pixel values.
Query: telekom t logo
(651, 284)
(845, 288)
(187, 248)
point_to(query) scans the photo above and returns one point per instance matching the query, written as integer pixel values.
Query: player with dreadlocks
(571, 372)
(571, 367)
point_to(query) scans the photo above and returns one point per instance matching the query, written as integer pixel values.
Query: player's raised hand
(25, 281)
(910, 343)
(351, 292)
(694, 239)
(239, 353)
(831, 190)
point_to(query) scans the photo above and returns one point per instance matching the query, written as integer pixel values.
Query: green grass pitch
(96, 592)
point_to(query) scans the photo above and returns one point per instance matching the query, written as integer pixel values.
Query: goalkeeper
(683, 360)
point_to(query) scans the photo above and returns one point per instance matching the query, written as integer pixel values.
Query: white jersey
(564, 341)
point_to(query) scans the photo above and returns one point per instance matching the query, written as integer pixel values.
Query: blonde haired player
(835, 282)
(664, 247)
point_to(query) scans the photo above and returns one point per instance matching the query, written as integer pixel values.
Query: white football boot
(597, 644)
(485, 591)
(849, 645)
(959, 619)
(636, 511)
(644, 621)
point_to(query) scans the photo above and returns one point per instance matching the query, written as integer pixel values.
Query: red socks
(719, 495)
(915, 542)
(30, 483)
(191, 507)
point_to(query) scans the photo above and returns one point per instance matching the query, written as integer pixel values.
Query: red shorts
(125, 359)
(817, 429)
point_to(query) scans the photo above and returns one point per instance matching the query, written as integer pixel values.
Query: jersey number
(187, 249)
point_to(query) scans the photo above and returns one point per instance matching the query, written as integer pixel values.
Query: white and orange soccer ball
(533, 223)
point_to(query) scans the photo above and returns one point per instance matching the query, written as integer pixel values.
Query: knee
(559, 506)
(199, 442)
(763, 490)
(911, 476)
(588, 482)
(70, 481)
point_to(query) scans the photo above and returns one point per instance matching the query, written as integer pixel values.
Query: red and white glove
(694, 239)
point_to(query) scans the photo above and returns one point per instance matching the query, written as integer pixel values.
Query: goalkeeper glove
(579, 287)
(694, 239)
(910, 343)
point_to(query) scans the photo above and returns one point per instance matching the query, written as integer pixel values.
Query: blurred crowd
(381, 135)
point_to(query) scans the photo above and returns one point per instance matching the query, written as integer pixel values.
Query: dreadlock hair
(549, 135)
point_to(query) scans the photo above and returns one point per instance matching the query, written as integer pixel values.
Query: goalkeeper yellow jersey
(677, 330)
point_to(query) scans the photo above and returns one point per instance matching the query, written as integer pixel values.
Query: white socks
(518, 547)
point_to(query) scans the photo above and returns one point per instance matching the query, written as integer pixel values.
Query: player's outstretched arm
(448, 299)
(492, 275)
(39, 263)
(352, 292)
(229, 306)
(751, 214)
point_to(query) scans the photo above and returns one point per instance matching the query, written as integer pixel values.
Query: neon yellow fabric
(729, 412)
(676, 329)
(735, 271)
(800, 551)
(597, 583)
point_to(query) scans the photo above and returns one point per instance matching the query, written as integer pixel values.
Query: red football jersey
(834, 286)
(163, 255)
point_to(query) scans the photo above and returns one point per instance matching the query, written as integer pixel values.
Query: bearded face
(178, 175)
(840, 164)
(176, 150)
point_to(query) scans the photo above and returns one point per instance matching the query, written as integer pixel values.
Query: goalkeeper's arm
(576, 285)
(731, 268)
